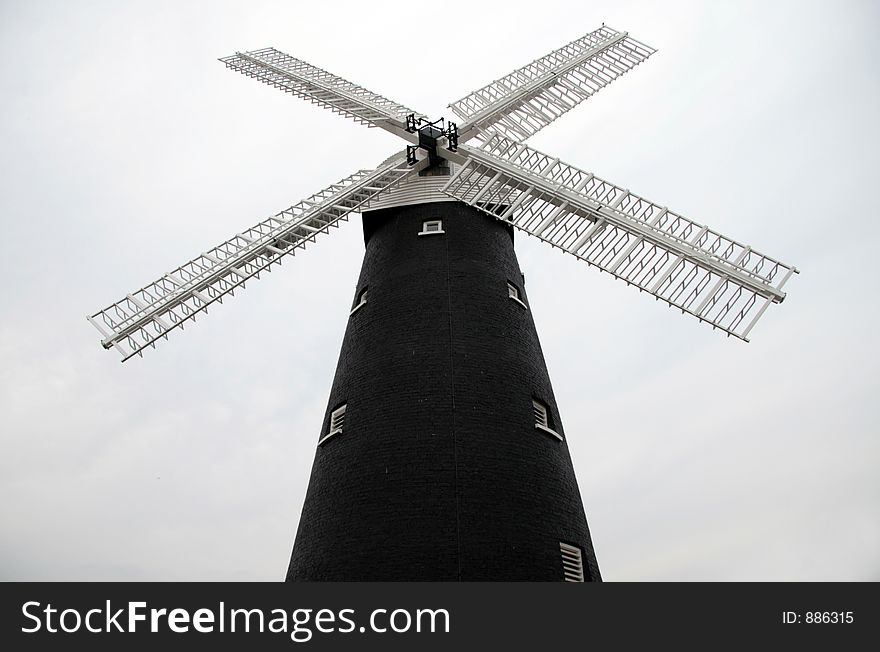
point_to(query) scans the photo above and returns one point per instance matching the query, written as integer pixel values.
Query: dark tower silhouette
(442, 454)
(440, 471)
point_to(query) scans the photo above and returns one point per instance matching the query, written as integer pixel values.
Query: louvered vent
(572, 563)
(337, 419)
(432, 226)
(360, 301)
(542, 418)
(513, 293)
(540, 414)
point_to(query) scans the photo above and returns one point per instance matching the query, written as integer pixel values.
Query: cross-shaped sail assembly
(721, 281)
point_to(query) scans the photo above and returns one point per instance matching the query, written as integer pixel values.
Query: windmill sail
(318, 86)
(717, 279)
(710, 276)
(528, 99)
(142, 317)
(428, 309)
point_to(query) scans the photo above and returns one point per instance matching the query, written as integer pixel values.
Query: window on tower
(337, 418)
(337, 421)
(513, 293)
(542, 419)
(431, 227)
(360, 300)
(572, 562)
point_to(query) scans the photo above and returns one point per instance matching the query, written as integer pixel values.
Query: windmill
(442, 454)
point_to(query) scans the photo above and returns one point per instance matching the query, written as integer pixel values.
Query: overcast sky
(127, 149)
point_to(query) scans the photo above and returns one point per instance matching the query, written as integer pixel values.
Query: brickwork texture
(439, 473)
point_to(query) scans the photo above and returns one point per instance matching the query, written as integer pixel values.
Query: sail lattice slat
(142, 317)
(318, 86)
(529, 98)
(717, 279)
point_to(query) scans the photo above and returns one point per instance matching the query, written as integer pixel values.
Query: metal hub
(429, 134)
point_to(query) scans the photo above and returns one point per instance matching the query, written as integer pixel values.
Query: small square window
(430, 227)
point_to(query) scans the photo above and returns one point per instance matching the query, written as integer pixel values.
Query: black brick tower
(439, 472)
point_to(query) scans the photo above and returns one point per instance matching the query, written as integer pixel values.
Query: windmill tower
(442, 454)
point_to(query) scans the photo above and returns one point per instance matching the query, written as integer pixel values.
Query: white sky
(128, 149)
